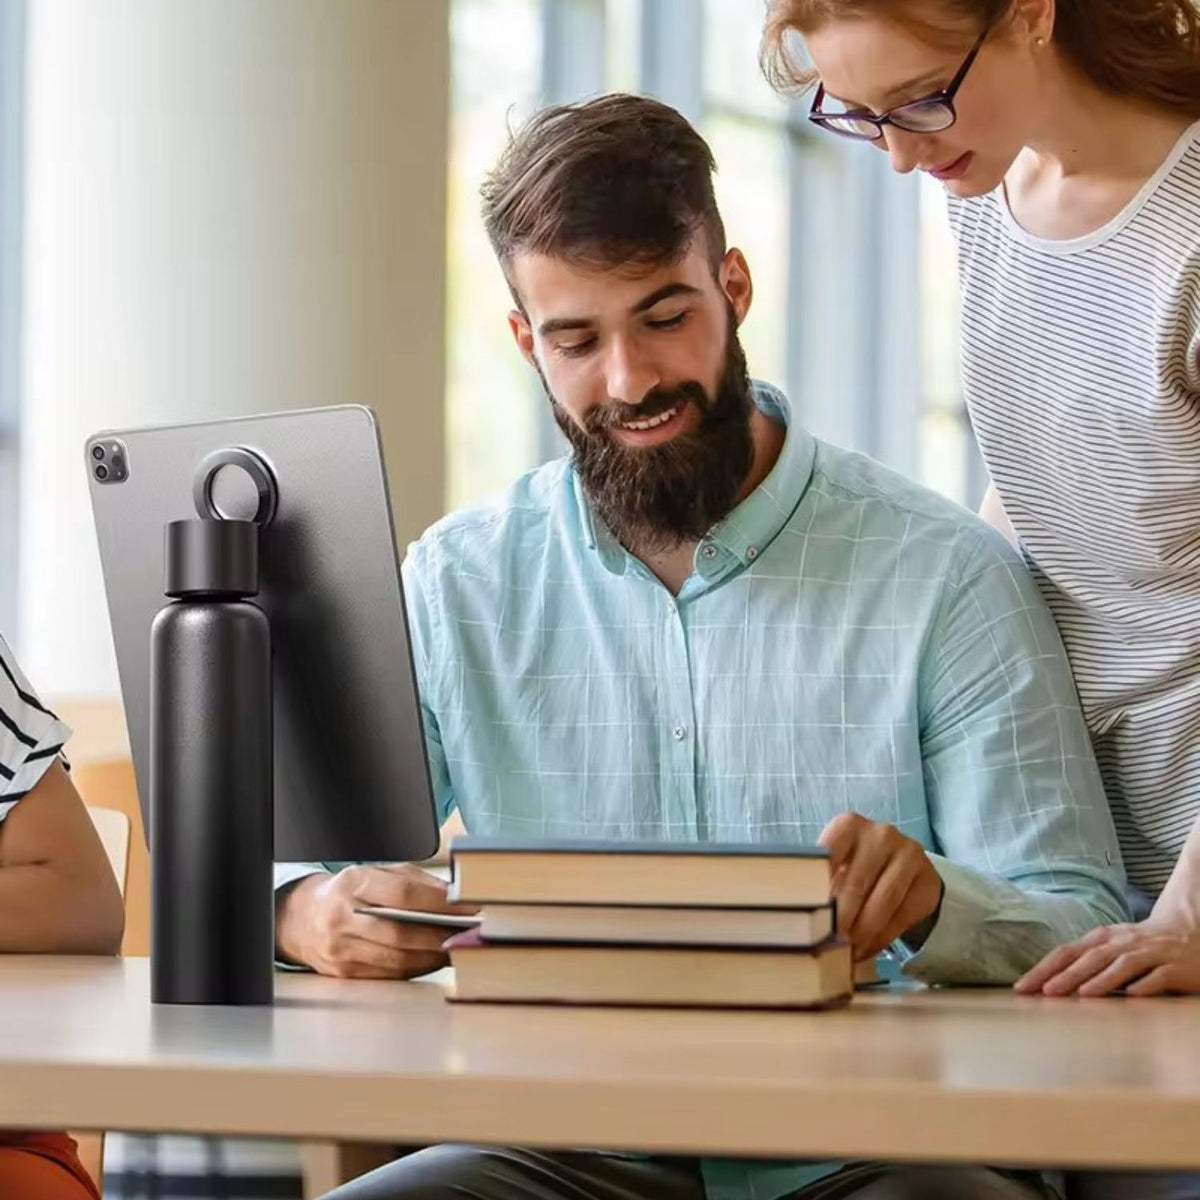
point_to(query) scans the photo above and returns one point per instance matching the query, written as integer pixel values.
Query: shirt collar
(749, 528)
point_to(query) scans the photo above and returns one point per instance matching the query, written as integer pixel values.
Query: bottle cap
(212, 558)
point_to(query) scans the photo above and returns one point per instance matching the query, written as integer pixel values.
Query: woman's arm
(1179, 902)
(1161, 954)
(57, 890)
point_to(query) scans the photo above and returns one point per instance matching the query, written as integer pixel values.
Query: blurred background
(219, 207)
(223, 207)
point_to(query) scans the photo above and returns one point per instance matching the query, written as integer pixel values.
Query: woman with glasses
(1067, 137)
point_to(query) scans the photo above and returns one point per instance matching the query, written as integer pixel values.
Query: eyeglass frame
(945, 96)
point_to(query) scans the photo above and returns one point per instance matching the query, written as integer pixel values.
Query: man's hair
(615, 181)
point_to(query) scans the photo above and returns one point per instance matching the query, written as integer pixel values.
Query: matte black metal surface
(212, 929)
(351, 777)
(211, 558)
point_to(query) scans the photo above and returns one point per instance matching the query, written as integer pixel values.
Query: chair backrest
(113, 828)
(103, 775)
(111, 785)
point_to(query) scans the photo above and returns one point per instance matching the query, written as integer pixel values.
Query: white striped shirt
(30, 735)
(1082, 375)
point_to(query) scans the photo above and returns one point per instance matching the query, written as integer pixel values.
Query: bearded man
(704, 624)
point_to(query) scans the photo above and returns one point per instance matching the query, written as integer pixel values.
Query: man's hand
(315, 923)
(884, 882)
(1147, 959)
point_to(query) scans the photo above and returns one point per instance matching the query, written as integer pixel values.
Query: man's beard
(656, 498)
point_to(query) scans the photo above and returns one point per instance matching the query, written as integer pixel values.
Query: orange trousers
(42, 1166)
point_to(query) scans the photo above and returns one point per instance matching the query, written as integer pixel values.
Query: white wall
(232, 206)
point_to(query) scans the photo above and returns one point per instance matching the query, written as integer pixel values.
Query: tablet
(351, 776)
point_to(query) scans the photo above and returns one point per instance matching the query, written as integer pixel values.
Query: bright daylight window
(11, 86)
(838, 247)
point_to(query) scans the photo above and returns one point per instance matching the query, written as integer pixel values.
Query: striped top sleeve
(30, 734)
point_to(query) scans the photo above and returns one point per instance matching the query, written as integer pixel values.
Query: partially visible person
(705, 624)
(58, 895)
(1067, 136)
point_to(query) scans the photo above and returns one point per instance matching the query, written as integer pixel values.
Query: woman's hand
(1160, 954)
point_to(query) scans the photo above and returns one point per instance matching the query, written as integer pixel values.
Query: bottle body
(211, 804)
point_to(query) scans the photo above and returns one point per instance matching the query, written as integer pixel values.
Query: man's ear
(735, 281)
(522, 334)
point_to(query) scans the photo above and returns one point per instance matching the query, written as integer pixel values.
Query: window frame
(854, 263)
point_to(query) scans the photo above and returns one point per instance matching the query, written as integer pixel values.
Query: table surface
(955, 1075)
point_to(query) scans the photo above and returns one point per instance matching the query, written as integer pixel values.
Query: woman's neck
(1089, 158)
(1089, 132)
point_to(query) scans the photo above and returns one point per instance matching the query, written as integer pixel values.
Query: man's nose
(629, 374)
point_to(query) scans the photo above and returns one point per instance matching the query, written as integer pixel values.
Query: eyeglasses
(930, 114)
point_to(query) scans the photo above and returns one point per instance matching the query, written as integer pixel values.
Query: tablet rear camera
(109, 462)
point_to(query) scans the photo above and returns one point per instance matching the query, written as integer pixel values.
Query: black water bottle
(211, 779)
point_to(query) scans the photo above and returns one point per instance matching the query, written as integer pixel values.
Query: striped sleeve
(31, 736)
(1192, 327)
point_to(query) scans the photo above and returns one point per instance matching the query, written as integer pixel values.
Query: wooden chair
(103, 775)
(111, 785)
(113, 828)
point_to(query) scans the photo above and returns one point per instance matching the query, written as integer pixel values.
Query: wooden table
(934, 1075)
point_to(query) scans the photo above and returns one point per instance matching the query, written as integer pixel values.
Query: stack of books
(647, 923)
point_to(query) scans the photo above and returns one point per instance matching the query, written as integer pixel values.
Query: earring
(1039, 42)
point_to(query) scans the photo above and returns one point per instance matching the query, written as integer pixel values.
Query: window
(950, 460)
(490, 410)
(12, 52)
(855, 304)
(748, 129)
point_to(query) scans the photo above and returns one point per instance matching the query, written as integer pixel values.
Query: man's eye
(669, 322)
(575, 349)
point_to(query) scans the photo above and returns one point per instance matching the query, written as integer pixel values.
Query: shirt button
(709, 551)
(679, 732)
(751, 552)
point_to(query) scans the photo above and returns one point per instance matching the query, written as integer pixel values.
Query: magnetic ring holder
(235, 484)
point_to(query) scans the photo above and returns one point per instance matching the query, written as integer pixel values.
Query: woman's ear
(1034, 20)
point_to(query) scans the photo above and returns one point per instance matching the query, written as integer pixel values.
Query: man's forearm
(990, 930)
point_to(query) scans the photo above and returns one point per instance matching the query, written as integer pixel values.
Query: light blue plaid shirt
(847, 641)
